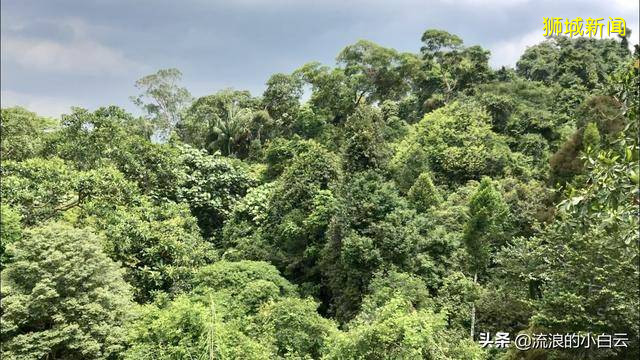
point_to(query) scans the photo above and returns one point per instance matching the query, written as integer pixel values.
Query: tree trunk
(473, 308)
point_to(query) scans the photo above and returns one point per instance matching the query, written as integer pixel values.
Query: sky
(61, 53)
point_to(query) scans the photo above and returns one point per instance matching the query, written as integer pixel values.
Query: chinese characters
(525, 341)
(555, 26)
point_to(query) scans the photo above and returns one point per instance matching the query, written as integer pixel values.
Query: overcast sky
(62, 53)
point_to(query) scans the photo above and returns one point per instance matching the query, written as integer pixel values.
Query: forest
(393, 205)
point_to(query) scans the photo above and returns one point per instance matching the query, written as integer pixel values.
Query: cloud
(481, 3)
(507, 53)
(82, 56)
(43, 105)
(79, 53)
(630, 6)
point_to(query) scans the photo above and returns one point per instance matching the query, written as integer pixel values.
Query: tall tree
(485, 230)
(163, 99)
(24, 133)
(63, 298)
(449, 67)
(281, 98)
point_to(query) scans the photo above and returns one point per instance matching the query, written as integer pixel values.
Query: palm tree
(232, 128)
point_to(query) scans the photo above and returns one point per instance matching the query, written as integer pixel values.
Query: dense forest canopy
(411, 202)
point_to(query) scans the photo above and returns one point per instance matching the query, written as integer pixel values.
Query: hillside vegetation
(393, 206)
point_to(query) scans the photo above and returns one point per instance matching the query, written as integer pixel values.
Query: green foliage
(402, 207)
(375, 72)
(162, 99)
(530, 204)
(579, 61)
(242, 310)
(280, 153)
(457, 294)
(88, 139)
(395, 127)
(36, 188)
(486, 229)
(387, 285)
(583, 260)
(448, 67)
(229, 122)
(535, 146)
(437, 41)
(298, 331)
(591, 137)
(62, 297)
(236, 276)
(299, 207)
(242, 233)
(423, 194)
(308, 123)
(373, 230)
(24, 133)
(10, 232)
(187, 328)
(334, 94)
(605, 112)
(159, 246)
(153, 167)
(211, 185)
(201, 124)
(281, 98)
(173, 332)
(364, 144)
(43, 189)
(519, 108)
(455, 142)
(398, 331)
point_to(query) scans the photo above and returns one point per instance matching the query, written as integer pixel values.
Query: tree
(571, 62)
(240, 309)
(188, 328)
(234, 277)
(583, 262)
(437, 42)
(45, 189)
(373, 230)
(10, 232)
(159, 246)
(334, 94)
(281, 152)
(454, 142)
(364, 144)
(396, 330)
(198, 126)
(399, 207)
(63, 298)
(424, 194)
(298, 330)
(211, 185)
(377, 72)
(302, 207)
(232, 129)
(154, 168)
(591, 137)
(485, 231)
(91, 139)
(448, 67)
(281, 98)
(163, 99)
(24, 133)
